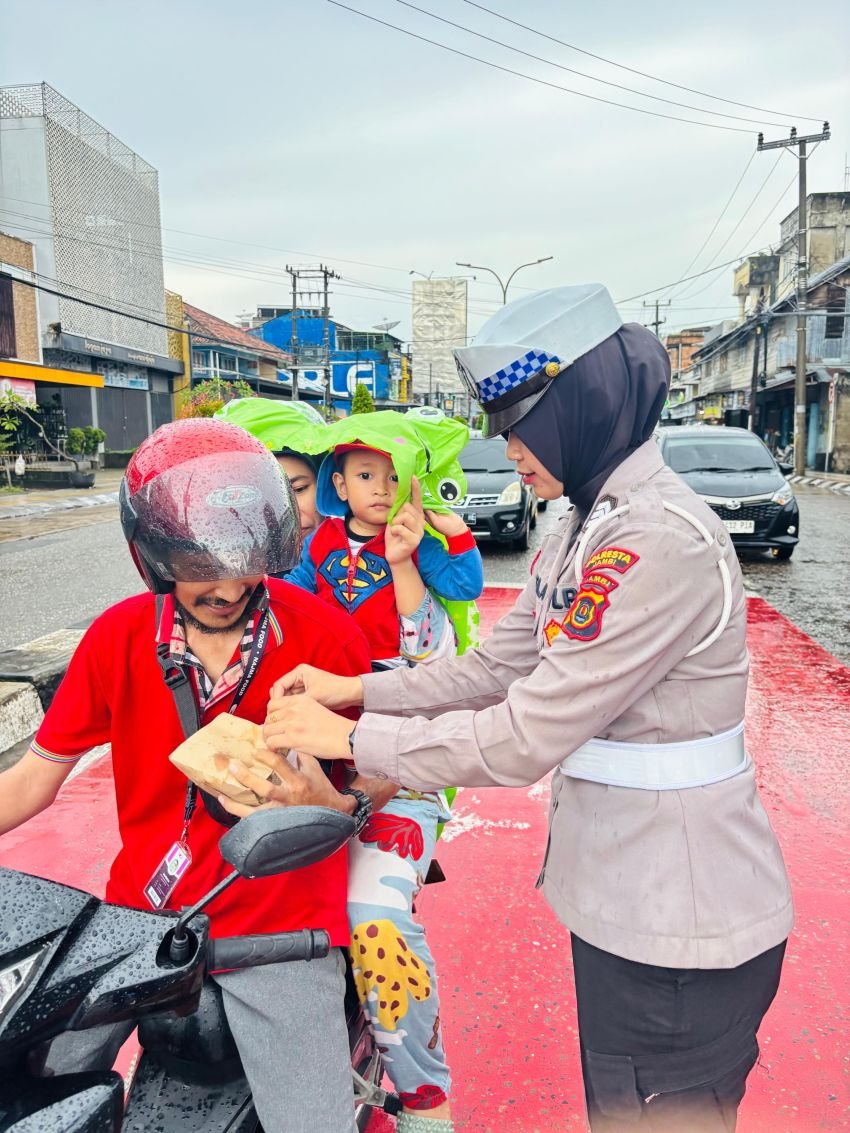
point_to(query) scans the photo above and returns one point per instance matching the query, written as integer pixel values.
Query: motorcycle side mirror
(285, 838)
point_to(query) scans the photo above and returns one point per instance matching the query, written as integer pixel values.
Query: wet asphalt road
(812, 589)
(53, 580)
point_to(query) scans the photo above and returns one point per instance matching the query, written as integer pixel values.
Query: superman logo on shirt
(354, 579)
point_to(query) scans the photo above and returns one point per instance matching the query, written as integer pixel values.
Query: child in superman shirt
(386, 576)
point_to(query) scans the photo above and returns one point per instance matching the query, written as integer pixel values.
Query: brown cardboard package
(204, 757)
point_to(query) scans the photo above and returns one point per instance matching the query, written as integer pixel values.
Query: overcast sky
(296, 130)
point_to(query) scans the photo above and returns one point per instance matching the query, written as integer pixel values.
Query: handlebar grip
(272, 948)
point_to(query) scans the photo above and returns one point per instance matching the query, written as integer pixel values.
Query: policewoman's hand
(306, 786)
(329, 689)
(302, 723)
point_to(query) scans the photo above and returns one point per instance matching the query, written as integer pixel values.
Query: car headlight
(15, 978)
(783, 495)
(512, 494)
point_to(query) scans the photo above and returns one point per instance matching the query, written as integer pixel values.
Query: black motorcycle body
(69, 962)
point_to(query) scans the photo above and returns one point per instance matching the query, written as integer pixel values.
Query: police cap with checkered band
(530, 342)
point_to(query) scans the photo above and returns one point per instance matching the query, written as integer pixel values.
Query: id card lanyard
(179, 857)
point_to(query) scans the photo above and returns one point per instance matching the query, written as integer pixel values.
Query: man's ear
(339, 484)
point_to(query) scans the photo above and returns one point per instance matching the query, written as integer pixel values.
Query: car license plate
(739, 526)
(470, 517)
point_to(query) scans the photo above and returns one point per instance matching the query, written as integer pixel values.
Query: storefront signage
(19, 386)
(78, 344)
(126, 381)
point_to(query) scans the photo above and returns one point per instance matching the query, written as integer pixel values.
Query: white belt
(660, 767)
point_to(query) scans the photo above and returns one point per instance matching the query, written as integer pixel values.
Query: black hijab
(598, 411)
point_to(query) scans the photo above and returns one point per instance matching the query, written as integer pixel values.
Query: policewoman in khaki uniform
(623, 667)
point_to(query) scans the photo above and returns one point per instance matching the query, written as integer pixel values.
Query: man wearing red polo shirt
(208, 517)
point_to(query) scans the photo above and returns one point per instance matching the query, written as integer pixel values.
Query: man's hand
(307, 786)
(302, 723)
(404, 533)
(448, 523)
(329, 689)
(380, 791)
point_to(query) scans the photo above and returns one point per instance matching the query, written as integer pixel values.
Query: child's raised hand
(404, 533)
(448, 523)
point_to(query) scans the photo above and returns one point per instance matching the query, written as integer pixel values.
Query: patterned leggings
(393, 967)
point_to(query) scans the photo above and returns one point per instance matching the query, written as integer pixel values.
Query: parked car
(498, 505)
(739, 478)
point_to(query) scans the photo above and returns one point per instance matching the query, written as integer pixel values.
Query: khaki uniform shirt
(680, 878)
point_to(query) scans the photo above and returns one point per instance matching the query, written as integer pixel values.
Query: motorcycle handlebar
(233, 952)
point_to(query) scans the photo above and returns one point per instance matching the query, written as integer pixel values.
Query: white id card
(168, 873)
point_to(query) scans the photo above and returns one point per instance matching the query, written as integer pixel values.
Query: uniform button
(721, 538)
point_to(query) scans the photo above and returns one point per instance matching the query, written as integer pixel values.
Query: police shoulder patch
(551, 630)
(611, 558)
(584, 618)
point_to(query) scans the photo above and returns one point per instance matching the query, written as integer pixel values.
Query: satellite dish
(386, 326)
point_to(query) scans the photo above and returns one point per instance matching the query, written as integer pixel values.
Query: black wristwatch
(362, 808)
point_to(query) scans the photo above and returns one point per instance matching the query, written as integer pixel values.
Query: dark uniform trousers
(668, 1050)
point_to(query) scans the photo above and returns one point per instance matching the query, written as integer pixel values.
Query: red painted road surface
(509, 1010)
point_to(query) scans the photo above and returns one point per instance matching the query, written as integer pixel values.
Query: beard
(192, 620)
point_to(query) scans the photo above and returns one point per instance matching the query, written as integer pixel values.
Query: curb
(58, 505)
(21, 713)
(39, 664)
(29, 677)
(820, 482)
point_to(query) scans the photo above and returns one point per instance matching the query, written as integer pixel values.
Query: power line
(746, 213)
(169, 254)
(666, 286)
(749, 242)
(633, 70)
(572, 70)
(723, 212)
(717, 267)
(199, 336)
(216, 266)
(535, 79)
(240, 243)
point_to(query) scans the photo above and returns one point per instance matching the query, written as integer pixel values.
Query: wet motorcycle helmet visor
(214, 517)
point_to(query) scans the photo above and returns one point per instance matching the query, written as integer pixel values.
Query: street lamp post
(504, 286)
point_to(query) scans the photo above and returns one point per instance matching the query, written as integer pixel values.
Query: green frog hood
(283, 426)
(425, 446)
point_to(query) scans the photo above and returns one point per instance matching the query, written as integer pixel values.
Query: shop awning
(29, 371)
(786, 380)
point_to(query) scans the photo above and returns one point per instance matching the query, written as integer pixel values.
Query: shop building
(89, 207)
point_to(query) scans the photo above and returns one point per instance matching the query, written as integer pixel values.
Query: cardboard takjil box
(205, 756)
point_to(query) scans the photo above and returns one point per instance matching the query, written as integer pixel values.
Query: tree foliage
(362, 401)
(206, 398)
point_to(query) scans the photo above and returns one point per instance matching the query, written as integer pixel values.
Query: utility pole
(801, 145)
(760, 332)
(293, 337)
(314, 275)
(326, 315)
(657, 321)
